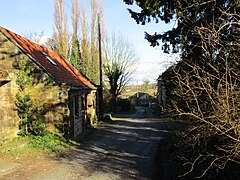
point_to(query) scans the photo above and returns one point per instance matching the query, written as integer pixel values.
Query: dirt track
(122, 149)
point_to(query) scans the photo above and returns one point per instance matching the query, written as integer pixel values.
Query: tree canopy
(188, 15)
(204, 85)
(119, 63)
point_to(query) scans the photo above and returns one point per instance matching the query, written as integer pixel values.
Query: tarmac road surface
(125, 148)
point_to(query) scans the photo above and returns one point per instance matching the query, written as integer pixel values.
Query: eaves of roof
(59, 68)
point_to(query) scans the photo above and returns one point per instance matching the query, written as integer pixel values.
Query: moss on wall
(53, 98)
(8, 115)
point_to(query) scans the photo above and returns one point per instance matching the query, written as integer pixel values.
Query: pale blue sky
(24, 16)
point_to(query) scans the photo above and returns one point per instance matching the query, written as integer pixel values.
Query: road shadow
(125, 147)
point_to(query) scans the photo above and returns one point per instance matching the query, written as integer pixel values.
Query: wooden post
(100, 71)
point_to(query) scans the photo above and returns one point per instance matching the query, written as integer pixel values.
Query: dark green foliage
(27, 109)
(113, 73)
(188, 14)
(75, 54)
(125, 104)
(204, 86)
(120, 105)
(28, 113)
(49, 142)
(95, 119)
(24, 78)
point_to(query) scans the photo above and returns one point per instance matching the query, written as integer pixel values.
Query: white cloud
(151, 65)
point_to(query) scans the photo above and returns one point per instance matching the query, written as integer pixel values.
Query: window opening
(49, 59)
(76, 103)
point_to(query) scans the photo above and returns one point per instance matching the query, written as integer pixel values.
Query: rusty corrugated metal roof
(54, 64)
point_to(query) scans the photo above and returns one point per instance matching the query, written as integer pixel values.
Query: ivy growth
(27, 108)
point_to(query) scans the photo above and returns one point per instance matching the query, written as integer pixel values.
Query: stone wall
(91, 106)
(8, 89)
(8, 115)
(53, 98)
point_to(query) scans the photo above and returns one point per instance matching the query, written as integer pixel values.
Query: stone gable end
(53, 98)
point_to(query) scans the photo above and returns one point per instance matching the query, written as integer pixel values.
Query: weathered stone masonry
(64, 106)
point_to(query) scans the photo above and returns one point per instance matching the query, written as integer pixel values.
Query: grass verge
(36, 146)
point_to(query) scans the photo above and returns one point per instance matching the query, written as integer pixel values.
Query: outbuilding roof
(59, 68)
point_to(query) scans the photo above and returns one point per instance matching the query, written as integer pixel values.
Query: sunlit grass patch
(37, 146)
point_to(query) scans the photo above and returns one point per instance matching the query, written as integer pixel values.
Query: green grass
(49, 143)
(150, 91)
(37, 146)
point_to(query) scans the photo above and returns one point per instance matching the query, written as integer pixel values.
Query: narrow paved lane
(121, 149)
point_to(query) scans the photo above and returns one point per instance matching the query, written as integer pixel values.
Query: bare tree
(75, 15)
(119, 63)
(84, 42)
(83, 52)
(75, 56)
(45, 41)
(89, 42)
(61, 36)
(209, 96)
(204, 85)
(96, 12)
(33, 36)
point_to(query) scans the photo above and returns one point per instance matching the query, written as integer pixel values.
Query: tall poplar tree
(94, 52)
(89, 42)
(84, 52)
(75, 56)
(84, 42)
(96, 16)
(61, 36)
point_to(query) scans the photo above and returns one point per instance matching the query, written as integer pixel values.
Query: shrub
(49, 142)
(27, 109)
